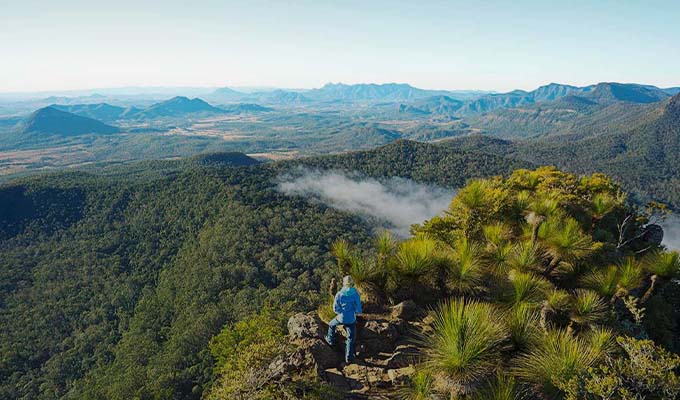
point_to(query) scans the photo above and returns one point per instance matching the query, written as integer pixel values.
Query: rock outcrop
(387, 349)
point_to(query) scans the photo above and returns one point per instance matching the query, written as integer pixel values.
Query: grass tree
(368, 277)
(629, 277)
(342, 251)
(661, 266)
(465, 270)
(556, 304)
(498, 248)
(557, 358)
(525, 257)
(603, 280)
(415, 261)
(526, 288)
(565, 242)
(527, 245)
(587, 309)
(601, 205)
(537, 213)
(419, 387)
(503, 387)
(523, 326)
(464, 346)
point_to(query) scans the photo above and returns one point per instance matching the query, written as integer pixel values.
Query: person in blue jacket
(346, 305)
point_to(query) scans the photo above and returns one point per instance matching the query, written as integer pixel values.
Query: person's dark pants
(351, 330)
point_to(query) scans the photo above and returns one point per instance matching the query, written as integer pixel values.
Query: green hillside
(543, 285)
(637, 146)
(114, 281)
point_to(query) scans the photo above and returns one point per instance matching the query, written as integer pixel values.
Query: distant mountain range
(340, 93)
(176, 107)
(601, 93)
(586, 111)
(370, 92)
(637, 143)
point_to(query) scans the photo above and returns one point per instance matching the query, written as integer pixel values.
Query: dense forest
(115, 280)
(544, 285)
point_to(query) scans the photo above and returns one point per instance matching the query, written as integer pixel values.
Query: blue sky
(492, 45)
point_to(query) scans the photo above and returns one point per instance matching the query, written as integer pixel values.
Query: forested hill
(643, 152)
(113, 282)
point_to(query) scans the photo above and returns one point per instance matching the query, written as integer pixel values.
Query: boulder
(377, 336)
(311, 354)
(380, 329)
(302, 326)
(654, 234)
(407, 310)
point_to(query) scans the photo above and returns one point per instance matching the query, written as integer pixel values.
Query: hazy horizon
(197, 90)
(493, 46)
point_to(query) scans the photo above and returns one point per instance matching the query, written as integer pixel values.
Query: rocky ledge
(387, 349)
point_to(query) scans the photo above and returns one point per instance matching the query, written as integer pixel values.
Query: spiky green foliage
(558, 300)
(415, 257)
(602, 204)
(465, 269)
(565, 241)
(629, 275)
(537, 212)
(385, 246)
(342, 251)
(498, 247)
(604, 280)
(527, 288)
(419, 387)
(588, 308)
(523, 326)
(465, 344)
(525, 257)
(558, 356)
(602, 340)
(475, 195)
(535, 268)
(497, 234)
(503, 387)
(663, 264)
(325, 310)
(365, 272)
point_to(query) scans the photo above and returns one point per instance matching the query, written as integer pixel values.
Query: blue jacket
(347, 305)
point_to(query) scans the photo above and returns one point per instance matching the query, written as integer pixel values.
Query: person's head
(347, 282)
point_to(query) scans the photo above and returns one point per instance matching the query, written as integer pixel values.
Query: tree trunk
(650, 290)
(534, 231)
(545, 313)
(551, 267)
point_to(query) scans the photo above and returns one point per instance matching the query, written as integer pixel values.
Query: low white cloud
(671, 232)
(396, 203)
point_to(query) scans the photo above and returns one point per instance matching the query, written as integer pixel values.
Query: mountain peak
(370, 92)
(49, 120)
(178, 105)
(630, 92)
